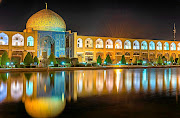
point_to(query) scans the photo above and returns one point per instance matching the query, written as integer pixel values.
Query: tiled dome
(46, 20)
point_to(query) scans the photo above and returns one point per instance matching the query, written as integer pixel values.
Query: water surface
(91, 93)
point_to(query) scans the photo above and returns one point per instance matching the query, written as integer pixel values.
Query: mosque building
(46, 32)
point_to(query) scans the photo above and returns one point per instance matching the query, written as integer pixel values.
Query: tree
(159, 61)
(164, 60)
(52, 58)
(99, 60)
(108, 59)
(36, 60)
(28, 59)
(4, 59)
(134, 60)
(171, 60)
(123, 60)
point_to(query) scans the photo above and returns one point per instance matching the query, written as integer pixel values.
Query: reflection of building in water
(49, 90)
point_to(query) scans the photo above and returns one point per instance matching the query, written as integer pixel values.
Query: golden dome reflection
(46, 20)
(45, 107)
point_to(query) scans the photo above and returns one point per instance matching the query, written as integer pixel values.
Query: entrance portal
(46, 47)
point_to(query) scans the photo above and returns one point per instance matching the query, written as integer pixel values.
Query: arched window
(144, 45)
(3, 39)
(136, 45)
(79, 43)
(30, 41)
(17, 40)
(173, 46)
(178, 46)
(166, 46)
(99, 43)
(118, 44)
(127, 44)
(88, 43)
(159, 46)
(151, 45)
(109, 43)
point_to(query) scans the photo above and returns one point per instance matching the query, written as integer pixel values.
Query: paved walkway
(81, 68)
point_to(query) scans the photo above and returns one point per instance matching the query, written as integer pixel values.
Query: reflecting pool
(91, 93)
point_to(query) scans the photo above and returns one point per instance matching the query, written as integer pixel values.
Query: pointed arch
(144, 45)
(178, 46)
(166, 46)
(136, 45)
(88, 43)
(109, 44)
(17, 40)
(99, 43)
(173, 46)
(127, 44)
(159, 46)
(151, 45)
(30, 41)
(4, 39)
(79, 43)
(118, 44)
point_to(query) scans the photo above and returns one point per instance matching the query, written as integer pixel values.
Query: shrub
(123, 60)
(52, 59)
(178, 61)
(36, 60)
(99, 60)
(28, 59)
(4, 59)
(159, 61)
(139, 62)
(108, 60)
(171, 60)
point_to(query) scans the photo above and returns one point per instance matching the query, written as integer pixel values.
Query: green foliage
(171, 59)
(139, 62)
(99, 60)
(108, 59)
(123, 60)
(52, 58)
(36, 59)
(15, 60)
(164, 59)
(63, 59)
(159, 61)
(134, 60)
(4, 58)
(28, 59)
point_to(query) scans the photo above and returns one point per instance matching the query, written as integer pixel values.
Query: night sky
(114, 18)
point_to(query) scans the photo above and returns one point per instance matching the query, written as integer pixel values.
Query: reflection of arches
(118, 44)
(99, 81)
(166, 46)
(173, 46)
(136, 45)
(159, 46)
(17, 40)
(151, 45)
(109, 43)
(3, 91)
(29, 88)
(88, 43)
(99, 43)
(144, 45)
(4, 39)
(109, 80)
(79, 43)
(127, 44)
(16, 89)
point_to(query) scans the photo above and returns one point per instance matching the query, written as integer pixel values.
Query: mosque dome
(46, 20)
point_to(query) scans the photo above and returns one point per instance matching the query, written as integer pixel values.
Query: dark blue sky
(114, 18)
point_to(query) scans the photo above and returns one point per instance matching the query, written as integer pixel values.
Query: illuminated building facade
(46, 32)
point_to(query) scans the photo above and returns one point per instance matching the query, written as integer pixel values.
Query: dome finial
(46, 5)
